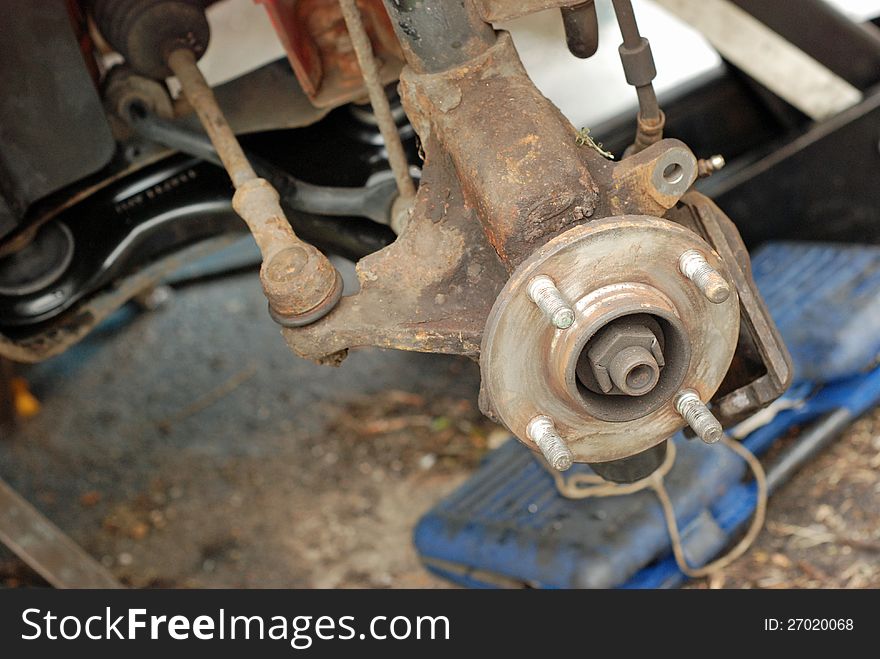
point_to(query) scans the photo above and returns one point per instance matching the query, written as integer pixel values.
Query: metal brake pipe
(640, 71)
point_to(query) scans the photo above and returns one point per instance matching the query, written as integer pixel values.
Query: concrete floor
(188, 447)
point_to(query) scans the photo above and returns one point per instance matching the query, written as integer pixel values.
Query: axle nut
(634, 371)
(625, 357)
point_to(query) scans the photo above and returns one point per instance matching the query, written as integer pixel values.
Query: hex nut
(627, 349)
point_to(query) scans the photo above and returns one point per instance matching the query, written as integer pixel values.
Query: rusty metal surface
(437, 35)
(581, 23)
(301, 285)
(495, 11)
(502, 158)
(651, 181)
(200, 96)
(299, 281)
(320, 52)
(517, 170)
(429, 291)
(608, 269)
(520, 162)
(515, 153)
(510, 192)
(47, 549)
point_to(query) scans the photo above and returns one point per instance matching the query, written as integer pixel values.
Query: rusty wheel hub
(642, 331)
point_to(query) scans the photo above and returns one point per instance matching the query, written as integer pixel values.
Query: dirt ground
(823, 527)
(186, 447)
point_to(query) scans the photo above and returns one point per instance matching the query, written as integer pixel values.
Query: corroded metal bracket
(504, 173)
(506, 182)
(430, 291)
(521, 164)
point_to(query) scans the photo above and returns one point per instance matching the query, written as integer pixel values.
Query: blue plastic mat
(825, 300)
(508, 526)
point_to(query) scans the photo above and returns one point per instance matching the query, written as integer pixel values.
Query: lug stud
(543, 292)
(698, 416)
(694, 266)
(542, 431)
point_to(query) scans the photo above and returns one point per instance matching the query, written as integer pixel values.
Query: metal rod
(638, 64)
(649, 107)
(626, 19)
(201, 97)
(581, 24)
(174, 136)
(363, 48)
(271, 236)
(301, 284)
(45, 548)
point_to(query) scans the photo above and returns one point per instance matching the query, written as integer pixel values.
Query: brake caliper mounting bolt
(694, 266)
(542, 431)
(698, 416)
(543, 292)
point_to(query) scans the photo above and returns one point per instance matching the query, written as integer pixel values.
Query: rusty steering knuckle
(605, 301)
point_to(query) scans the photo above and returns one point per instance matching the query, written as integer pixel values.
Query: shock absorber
(161, 38)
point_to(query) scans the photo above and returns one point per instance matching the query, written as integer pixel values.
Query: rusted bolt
(698, 416)
(543, 292)
(694, 266)
(708, 166)
(542, 431)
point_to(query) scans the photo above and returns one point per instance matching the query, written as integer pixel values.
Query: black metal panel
(156, 211)
(821, 186)
(53, 130)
